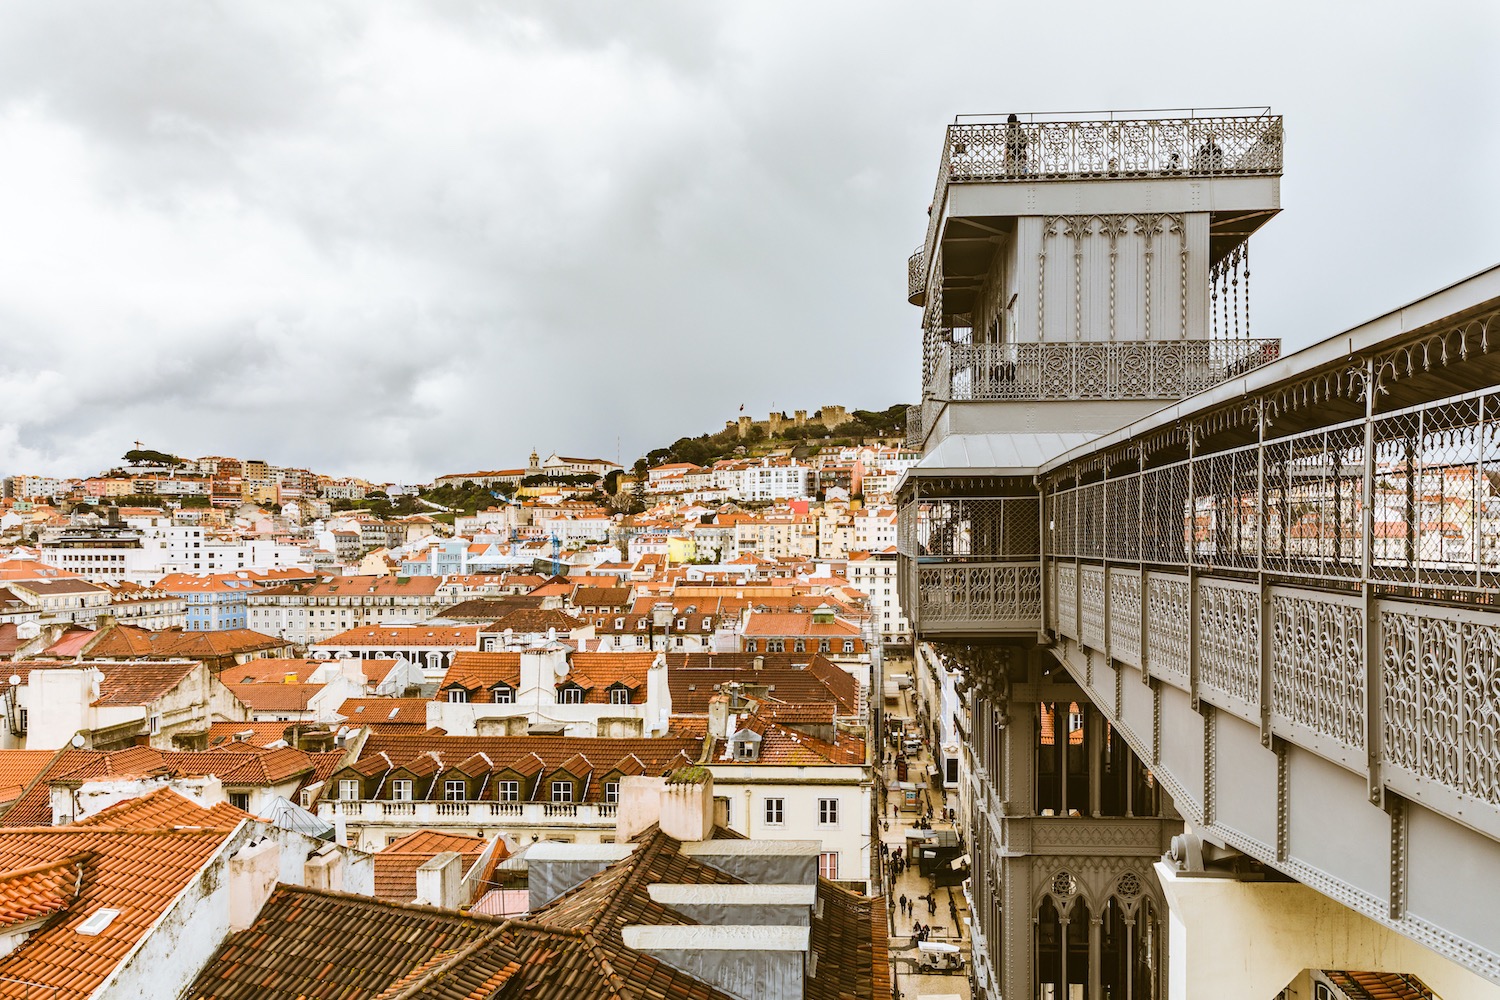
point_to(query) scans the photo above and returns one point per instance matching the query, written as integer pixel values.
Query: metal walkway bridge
(1284, 592)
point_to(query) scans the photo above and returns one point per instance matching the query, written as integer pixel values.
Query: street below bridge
(942, 908)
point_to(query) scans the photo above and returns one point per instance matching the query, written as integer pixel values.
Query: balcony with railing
(1120, 369)
(916, 277)
(971, 565)
(589, 815)
(1109, 145)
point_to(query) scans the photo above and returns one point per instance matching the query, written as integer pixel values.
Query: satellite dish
(78, 741)
(15, 680)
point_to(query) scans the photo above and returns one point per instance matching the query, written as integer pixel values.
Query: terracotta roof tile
(135, 870)
(399, 636)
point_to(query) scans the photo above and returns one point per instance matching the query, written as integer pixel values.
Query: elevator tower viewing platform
(1184, 579)
(1096, 257)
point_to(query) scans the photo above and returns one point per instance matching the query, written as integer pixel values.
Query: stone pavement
(939, 915)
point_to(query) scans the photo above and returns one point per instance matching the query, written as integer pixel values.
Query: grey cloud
(398, 239)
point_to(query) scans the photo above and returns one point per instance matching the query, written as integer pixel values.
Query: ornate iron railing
(1428, 477)
(1031, 150)
(1167, 144)
(916, 277)
(914, 435)
(1120, 369)
(979, 597)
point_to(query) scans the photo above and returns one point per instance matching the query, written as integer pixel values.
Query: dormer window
(619, 695)
(745, 745)
(503, 694)
(619, 623)
(457, 696)
(682, 623)
(570, 694)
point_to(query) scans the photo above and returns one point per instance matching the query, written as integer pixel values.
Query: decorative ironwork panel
(914, 435)
(1091, 598)
(1121, 369)
(1067, 600)
(916, 273)
(1442, 697)
(1229, 642)
(1125, 616)
(980, 595)
(1032, 150)
(1169, 634)
(1317, 664)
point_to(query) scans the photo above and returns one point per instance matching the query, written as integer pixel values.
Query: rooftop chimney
(718, 716)
(439, 881)
(324, 870)
(252, 875)
(687, 804)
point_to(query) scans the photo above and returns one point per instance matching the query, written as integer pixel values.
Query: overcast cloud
(397, 240)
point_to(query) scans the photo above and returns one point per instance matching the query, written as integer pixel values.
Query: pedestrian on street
(953, 911)
(931, 904)
(903, 904)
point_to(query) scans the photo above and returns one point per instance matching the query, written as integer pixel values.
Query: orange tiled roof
(171, 643)
(528, 620)
(394, 714)
(18, 768)
(399, 636)
(477, 672)
(137, 869)
(396, 866)
(42, 890)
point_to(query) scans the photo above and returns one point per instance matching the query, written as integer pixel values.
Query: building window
(798, 646)
(154, 724)
(458, 695)
(828, 812)
(240, 800)
(503, 694)
(848, 645)
(611, 792)
(775, 812)
(562, 791)
(348, 789)
(509, 791)
(455, 790)
(570, 695)
(776, 645)
(401, 790)
(619, 696)
(828, 864)
(823, 645)
(750, 645)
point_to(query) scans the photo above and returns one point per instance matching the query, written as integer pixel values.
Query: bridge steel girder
(1302, 803)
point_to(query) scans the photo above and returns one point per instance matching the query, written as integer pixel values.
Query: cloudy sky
(401, 239)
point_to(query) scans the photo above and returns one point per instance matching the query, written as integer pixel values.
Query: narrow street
(943, 909)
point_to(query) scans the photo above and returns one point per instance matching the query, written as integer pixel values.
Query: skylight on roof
(97, 922)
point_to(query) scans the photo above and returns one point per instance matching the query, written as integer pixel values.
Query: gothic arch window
(1130, 940)
(1062, 945)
